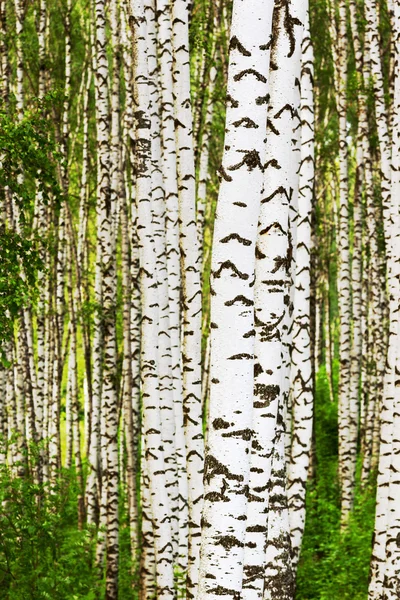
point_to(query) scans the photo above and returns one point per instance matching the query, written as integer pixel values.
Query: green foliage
(333, 565)
(127, 585)
(16, 288)
(43, 554)
(29, 157)
(28, 165)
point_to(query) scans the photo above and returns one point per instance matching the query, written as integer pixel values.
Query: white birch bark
(346, 474)
(106, 240)
(93, 487)
(374, 49)
(391, 583)
(272, 289)
(147, 558)
(129, 249)
(150, 311)
(167, 409)
(301, 375)
(191, 285)
(169, 172)
(390, 217)
(227, 463)
(385, 558)
(364, 317)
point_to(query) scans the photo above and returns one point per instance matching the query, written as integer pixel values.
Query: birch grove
(199, 299)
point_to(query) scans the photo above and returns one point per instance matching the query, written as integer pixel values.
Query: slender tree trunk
(191, 286)
(273, 282)
(346, 444)
(150, 311)
(106, 240)
(302, 379)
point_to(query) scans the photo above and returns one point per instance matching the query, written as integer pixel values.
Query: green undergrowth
(43, 553)
(333, 565)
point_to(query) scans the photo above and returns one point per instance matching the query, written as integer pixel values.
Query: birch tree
(301, 375)
(150, 312)
(227, 464)
(191, 284)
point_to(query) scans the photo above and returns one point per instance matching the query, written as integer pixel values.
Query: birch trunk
(106, 240)
(302, 377)
(191, 285)
(346, 443)
(230, 418)
(150, 311)
(272, 289)
(391, 582)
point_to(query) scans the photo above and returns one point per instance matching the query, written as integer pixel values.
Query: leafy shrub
(43, 554)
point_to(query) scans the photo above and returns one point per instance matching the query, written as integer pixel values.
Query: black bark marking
(236, 236)
(178, 123)
(274, 282)
(229, 541)
(279, 190)
(269, 331)
(243, 434)
(223, 591)
(251, 159)
(282, 110)
(260, 255)
(249, 334)
(257, 529)
(272, 127)
(228, 264)
(246, 122)
(141, 121)
(262, 100)
(245, 301)
(257, 75)
(256, 446)
(242, 356)
(272, 163)
(252, 572)
(257, 369)
(234, 103)
(276, 225)
(266, 46)
(266, 393)
(220, 424)
(234, 44)
(221, 171)
(289, 23)
(283, 262)
(204, 523)
(212, 468)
